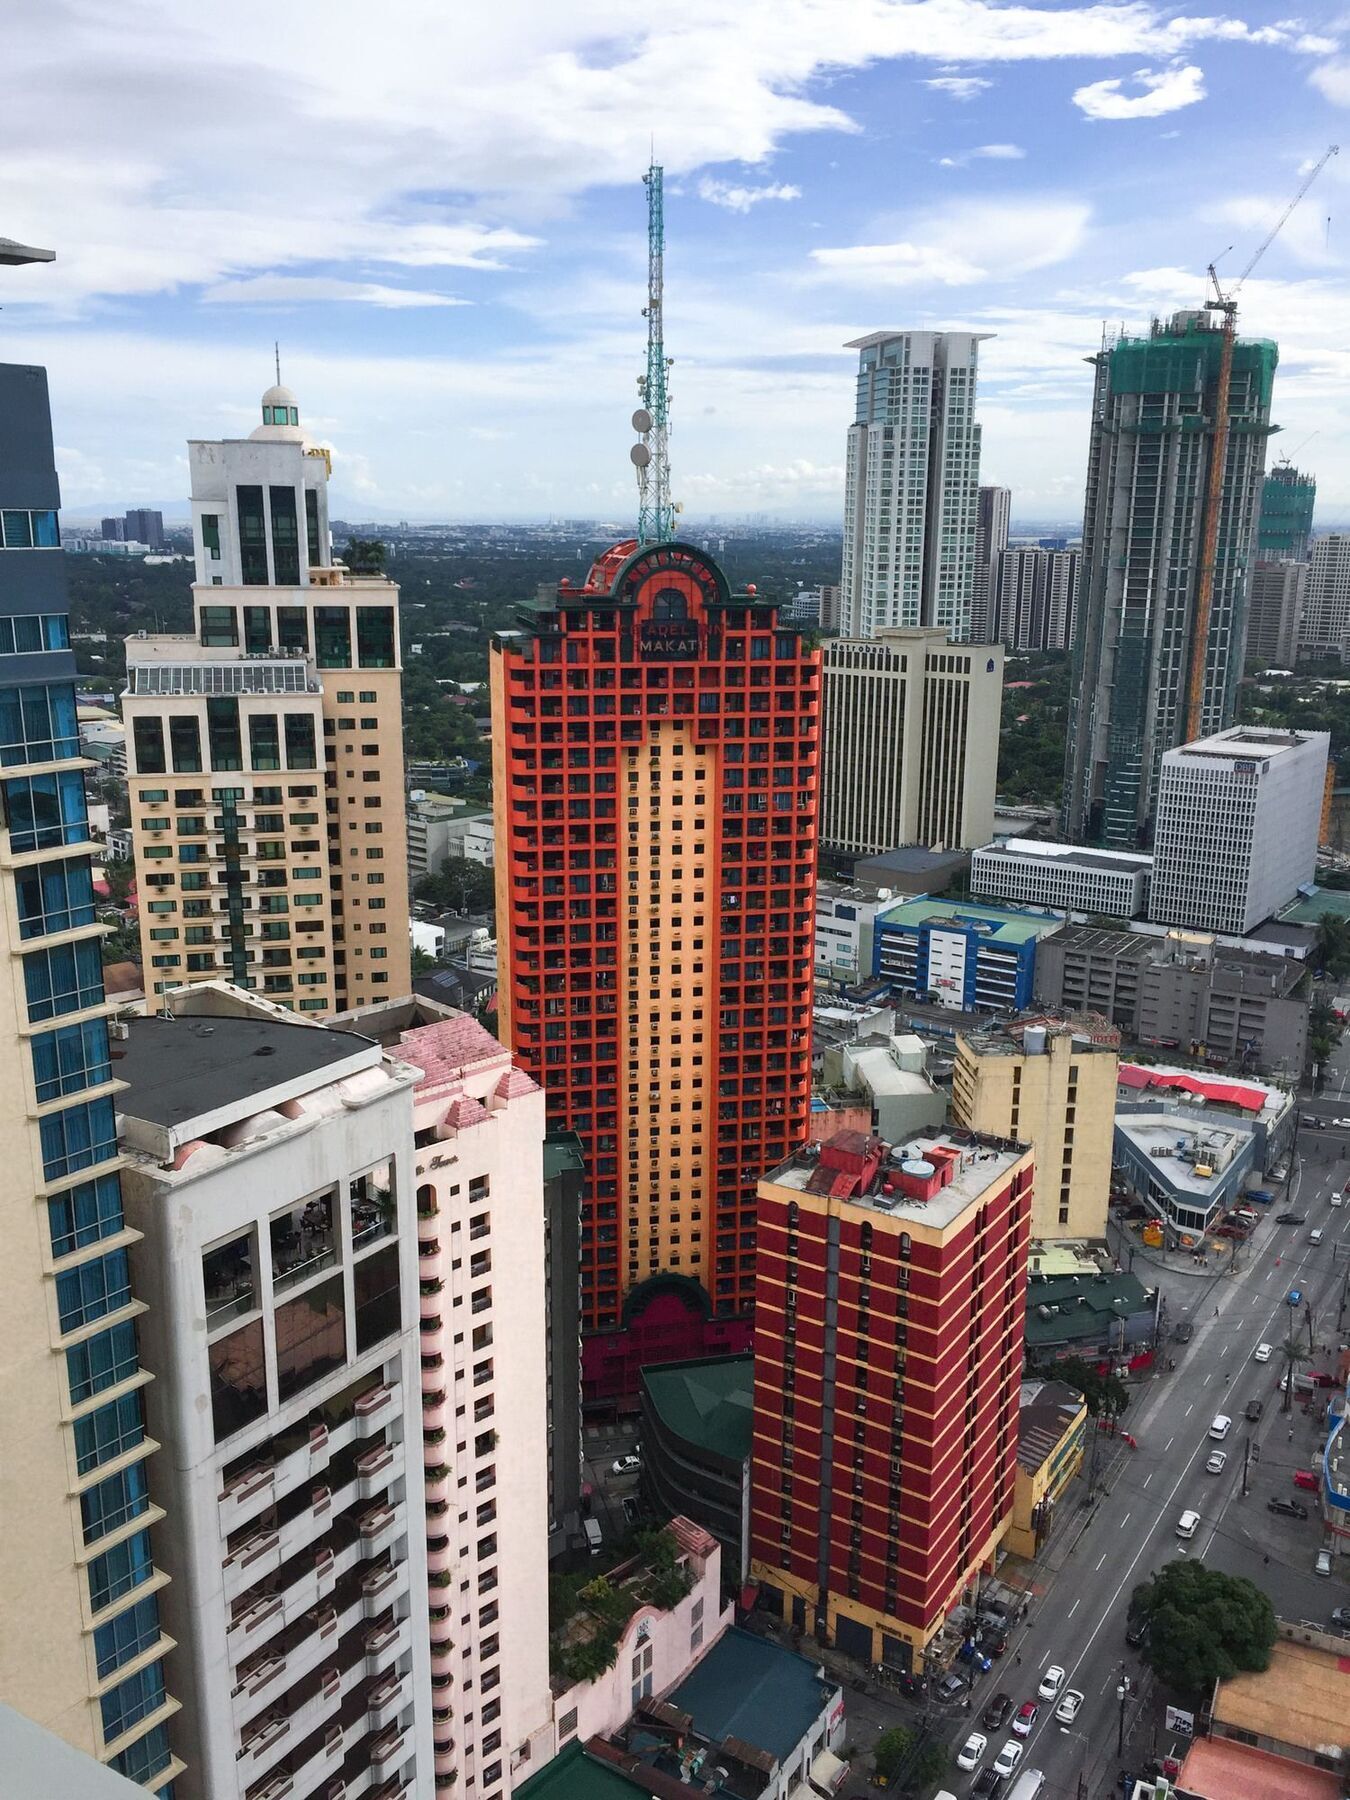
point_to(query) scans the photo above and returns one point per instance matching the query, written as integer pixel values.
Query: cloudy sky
(438, 210)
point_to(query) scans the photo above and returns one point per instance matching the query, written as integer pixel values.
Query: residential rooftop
(997, 923)
(753, 1690)
(1301, 1699)
(1158, 1135)
(1218, 1769)
(1251, 1098)
(1047, 1410)
(1007, 1037)
(932, 1178)
(574, 1774)
(1076, 1308)
(706, 1401)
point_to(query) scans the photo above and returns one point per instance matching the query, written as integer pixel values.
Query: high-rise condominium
(1146, 541)
(655, 747)
(909, 749)
(1275, 615)
(1288, 498)
(888, 1363)
(82, 1650)
(1035, 591)
(993, 516)
(1324, 628)
(912, 481)
(266, 747)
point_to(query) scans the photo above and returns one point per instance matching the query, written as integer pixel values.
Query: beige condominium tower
(265, 748)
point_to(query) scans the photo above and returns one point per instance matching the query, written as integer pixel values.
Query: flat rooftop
(1303, 1698)
(1249, 1096)
(1080, 1308)
(1247, 743)
(1099, 940)
(749, 1688)
(1156, 1136)
(575, 1775)
(179, 1069)
(981, 1162)
(1308, 909)
(1077, 856)
(1003, 927)
(1007, 1037)
(706, 1401)
(1218, 1769)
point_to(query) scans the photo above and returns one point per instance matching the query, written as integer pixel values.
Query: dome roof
(280, 417)
(278, 396)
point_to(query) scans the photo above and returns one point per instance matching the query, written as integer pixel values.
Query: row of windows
(132, 1700)
(84, 1214)
(104, 1435)
(92, 1290)
(219, 626)
(224, 743)
(24, 634)
(57, 897)
(24, 529)
(78, 1137)
(38, 724)
(44, 812)
(110, 1504)
(102, 1361)
(124, 1638)
(65, 978)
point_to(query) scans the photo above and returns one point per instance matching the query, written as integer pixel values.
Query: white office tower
(1237, 826)
(912, 482)
(909, 742)
(270, 1173)
(1324, 629)
(993, 517)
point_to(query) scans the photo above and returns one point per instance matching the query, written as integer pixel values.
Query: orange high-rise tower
(655, 749)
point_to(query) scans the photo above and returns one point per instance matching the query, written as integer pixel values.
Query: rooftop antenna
(276, 349)
(650, 455)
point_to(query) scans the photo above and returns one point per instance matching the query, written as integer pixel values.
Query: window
(220, 625)
(264, 741)
(45, 811)
(119, 1570)
(211, 535)
(312, 543)
(185, 744)
(375, 636)
(70, 1059)
(92, 1290)
(258, 630)
(222, 731)
(375, 1282)
(127, 1636)
(57, 897)
(311, 1336)
(333, 636)
(84, 1214)
(108, 1433)
(78, 1137)
(66, 978)
(102, 1361)
(109, 1505)
(293, 628)
(252, 536)
(238, 1379)
(131, 1700)
(38, 724)
(285, 537)
(300, 748)
(147, 737)
(24, 634)
(146, 1757)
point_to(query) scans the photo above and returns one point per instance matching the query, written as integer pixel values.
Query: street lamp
(12, 254)
(1122, 1694)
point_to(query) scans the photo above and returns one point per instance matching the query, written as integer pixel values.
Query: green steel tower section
(1287, 500)
(1153, 435)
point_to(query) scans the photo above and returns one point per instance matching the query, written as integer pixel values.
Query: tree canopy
(459, 885)
(1203, 1626)
(1107, 1395)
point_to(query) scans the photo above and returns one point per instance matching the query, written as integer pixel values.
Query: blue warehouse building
(966, 957)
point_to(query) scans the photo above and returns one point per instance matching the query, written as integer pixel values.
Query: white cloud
(741, 199)
(960, 87)
(983, 153)
(960, 245)
(1164, 91)
(269, 290)
(1332, 81)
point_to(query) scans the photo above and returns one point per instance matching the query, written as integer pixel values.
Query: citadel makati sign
(668, 640)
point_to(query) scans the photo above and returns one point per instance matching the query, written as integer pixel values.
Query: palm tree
(1332, 948)
(1293, 1352)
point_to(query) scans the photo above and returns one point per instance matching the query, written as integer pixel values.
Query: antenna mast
(651, 455)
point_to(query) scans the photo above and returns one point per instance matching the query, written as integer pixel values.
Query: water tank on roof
(1033, 1040)
(918, 1168)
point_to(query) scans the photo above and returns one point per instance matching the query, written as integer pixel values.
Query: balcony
(379, 1527)
(388, 1752)
(375, 1409)
(275, 1789)
(263, 1738)
(374, 1471)
(385, 1700)
(380, 1588)
(384, 1645)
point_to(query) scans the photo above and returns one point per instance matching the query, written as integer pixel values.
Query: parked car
(949, 1687)
(1304, 1478)
(968, 1756)
(1051, 1682)
(987, 1783)
(1217, 1459)
(1287, 1509)
(1025, 1722)
(1254, 1409)
(995, 1715)
(625, 1465)
(1321, 1566)
(1184, 1332)
(1135, 1632)
(1340, 1617)
(1291, 1218)
(1263, 1353)
(993, 1618)
(1067, 1710)
(1008, 1758)
(993, 1643)
(971, 1653)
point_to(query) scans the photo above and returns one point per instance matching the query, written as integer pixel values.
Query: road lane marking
(1074, 1608)
(1189, 1410)
(1168, 1445)
(1149, 1477)
(1125, 1521)
(1098, 1564)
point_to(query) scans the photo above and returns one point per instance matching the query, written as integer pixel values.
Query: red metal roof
(1231, 1093)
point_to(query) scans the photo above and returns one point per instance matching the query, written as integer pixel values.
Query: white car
(1067, 1710)
(968, 1756)
(1221, 1426)
(625, 1465)
(1008, 1758)
(1217, 1459)
(1322, 1562)
(1262, 1353)
(1342, 1124)
(1051, 1682)
(1188, 1524)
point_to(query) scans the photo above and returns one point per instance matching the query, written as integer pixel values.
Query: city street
(1080, 1623)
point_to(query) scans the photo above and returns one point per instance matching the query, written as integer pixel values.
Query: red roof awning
(1230, 1093)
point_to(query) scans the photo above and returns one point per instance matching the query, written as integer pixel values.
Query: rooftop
(1245, 743)
(706, 1401)
(1309, 908)
(1302, 1699)
(1077, 1308)
(185, 1070)
(575, 1775)
(1218, 1769)
(932, 1178)
(1157, 1135)
(1006, 926)
(1116, 862)
(912, 868)
(1007, 1037)
(749, 1688)
(1048, 1410)
(1248, 1096)
(1099, 940)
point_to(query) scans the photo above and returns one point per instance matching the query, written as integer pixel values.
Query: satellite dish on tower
(642, 419)
(640, 456)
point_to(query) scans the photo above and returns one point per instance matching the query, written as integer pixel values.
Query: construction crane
(1226, 305)
(651, 454)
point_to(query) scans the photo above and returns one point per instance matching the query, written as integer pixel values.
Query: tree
(1203, 1626)
(364, 556)
(459, 885)
(1294, 1352)
(929, 1765)
(422, 961)
(1107, 1395)
(892, 1748)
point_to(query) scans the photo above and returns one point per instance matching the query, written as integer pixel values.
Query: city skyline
(469, 277)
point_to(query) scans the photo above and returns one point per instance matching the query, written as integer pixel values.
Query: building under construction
(1174, 483)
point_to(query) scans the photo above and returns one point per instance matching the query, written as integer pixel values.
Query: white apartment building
(270, 1175)
(486, 1317)
(1114, 882)
(911, 481)
(1034, 593)
(1237, 826)
(844, 918)
(440, 825)
(1324, 627)
(993, 519)
(909, 742)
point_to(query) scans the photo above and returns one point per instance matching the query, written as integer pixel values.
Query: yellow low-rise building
(1051, 1436)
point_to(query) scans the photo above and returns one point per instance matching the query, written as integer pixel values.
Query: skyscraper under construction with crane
(1180, 421)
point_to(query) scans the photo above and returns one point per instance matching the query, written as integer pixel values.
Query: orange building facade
(888, 1365)
(655, 752)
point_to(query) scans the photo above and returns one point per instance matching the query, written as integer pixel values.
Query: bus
(1028, 1784)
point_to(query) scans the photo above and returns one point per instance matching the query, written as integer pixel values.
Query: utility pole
(1122, 1694)
(1246, 1462)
